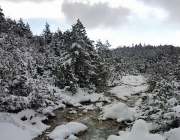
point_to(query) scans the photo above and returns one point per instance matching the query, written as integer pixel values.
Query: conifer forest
(132, 90)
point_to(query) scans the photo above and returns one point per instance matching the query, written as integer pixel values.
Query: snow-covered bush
(160, 107)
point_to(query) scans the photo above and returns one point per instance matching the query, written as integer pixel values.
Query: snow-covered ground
(129, 85)
(119, 111)
(27, 124)
(133, 80)
(139, 131)
(67, 131)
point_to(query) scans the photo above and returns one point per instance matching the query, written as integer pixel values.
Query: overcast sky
(122, 22)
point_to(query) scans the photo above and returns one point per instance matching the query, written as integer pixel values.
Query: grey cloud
(35, 1)
(170, 6)
(99, 14)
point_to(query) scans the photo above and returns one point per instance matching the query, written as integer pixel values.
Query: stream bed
(97, 129)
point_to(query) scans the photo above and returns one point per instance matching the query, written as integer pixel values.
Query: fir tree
(79, 56)
(2, 21)
(47, 34)
(21, 27)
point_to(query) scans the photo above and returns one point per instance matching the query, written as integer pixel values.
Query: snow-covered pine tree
(57, 42)
(103, 67)
(21, 28)
(47, 35)
(2, 20)
(28, 32)
(10, 26)
(78, 59)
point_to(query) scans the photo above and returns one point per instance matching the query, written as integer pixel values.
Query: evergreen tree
(79, 57)
(2, 21)
(11, 26)
(21, 27)
(57, 42)
(47, 34)
(28, 32)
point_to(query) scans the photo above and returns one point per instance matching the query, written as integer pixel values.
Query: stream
(97, 129)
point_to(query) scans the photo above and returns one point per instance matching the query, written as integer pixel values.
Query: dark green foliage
(77, 63)
(47, 34)
(33, 68)
(2, 20)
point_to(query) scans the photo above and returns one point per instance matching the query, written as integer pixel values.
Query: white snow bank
(9, 131)
(139, 132)
(59, 133)
(64, 131)
(126, 90)
(133, 80)
(130, 85)
(118, 111)
(76, 127)
(177, 110)
(82, 96)
(12, 127)
(99, 104)
(73, 112)
(173, 134)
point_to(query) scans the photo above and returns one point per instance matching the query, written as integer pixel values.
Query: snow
(177, 110)
(76, 52)
(125, 90)
(129, 85)
(119, 111)
(68, 62)
(73, 112)
(9, 131)
(82, 96)
(133, 80)
(28, 129)
(59, 133)
(139, 132)
(99, 105)
(32, 125)
(76, 45)
(76, 127)
(72, 137)
(63, 131)
(172, 101)
(173, 134)
(88, 108)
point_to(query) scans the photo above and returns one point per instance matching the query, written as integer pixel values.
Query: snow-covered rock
(63, 131)
(139, 132)
(119, 111)
(59, 133)
(73, 112)
(76, 127)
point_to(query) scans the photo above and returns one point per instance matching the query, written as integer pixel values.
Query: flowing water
(97, 129)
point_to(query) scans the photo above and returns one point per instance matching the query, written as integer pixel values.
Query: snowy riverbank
(27, 124)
